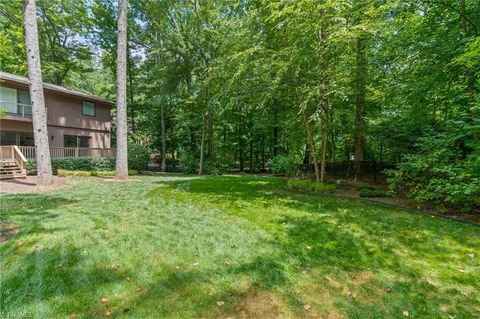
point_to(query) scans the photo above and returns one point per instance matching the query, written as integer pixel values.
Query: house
(79, 124)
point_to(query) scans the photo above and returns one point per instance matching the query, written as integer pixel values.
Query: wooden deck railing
(12, 153)
(56, 152)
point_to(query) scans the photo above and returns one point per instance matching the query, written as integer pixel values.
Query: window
(83, 141)
(76, 141)
(24, 101)
(8, 99)
(88, 108)
(8, 138)
(69, 141)
(15, 101)
(26, 139)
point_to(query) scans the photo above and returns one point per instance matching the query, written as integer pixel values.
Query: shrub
(188, 163)
(138, 157)
(77, 164)
(64, 173)
(212, 167)
(372, 192)
(287, 165)
(310, 186)
(446, 170)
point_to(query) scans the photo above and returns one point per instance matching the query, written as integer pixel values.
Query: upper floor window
(88, 108)
(15, 101)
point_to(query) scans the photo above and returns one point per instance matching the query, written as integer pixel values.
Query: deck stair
(13, 163)
(10, 169)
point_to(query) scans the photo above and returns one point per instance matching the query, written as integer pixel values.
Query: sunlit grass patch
(242, 247)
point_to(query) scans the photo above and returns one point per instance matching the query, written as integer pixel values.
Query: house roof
(52, 87)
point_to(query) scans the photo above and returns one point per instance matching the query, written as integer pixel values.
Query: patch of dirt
(29, 185)
(333, 315)
(259, 305)
(7, 231)
(361, 278)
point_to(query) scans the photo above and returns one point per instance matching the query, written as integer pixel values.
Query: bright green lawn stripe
(189, 242)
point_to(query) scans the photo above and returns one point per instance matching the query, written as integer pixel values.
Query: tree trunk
(210, 134)
(39, 116)
(325, 116)
(275, 131)
(122, 151)
(360, 107)
(311, 142)
(324, 155)
(202, 145)
(163, 166)
(241, 154)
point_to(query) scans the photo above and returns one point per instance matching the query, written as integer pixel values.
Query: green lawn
(239, 247)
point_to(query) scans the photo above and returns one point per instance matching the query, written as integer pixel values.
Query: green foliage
(213, 167)
(64, 173)
(138, 157)
(188, 163)
(308, 185)
(285, 165)
(77, 164)
(447, 168)
(372, 192)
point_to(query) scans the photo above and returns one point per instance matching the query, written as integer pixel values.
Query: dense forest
(293, 87)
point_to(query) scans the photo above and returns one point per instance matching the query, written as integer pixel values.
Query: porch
(62, 152)
(13, 158)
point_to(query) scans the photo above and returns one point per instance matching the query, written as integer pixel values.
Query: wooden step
(10, 170)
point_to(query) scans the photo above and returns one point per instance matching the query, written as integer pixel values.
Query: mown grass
(177, 247)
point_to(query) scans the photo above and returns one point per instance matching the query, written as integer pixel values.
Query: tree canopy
(291, 86)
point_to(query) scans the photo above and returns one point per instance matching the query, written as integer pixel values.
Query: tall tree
(39, 116)
(122, 139)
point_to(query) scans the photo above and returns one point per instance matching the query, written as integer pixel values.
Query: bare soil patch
(259, 304)
(7, 231)
(29, 185)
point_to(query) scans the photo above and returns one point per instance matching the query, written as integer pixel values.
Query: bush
(212, 167)
(372, 192)
(138, 157)
(446, 170)
(287, 165)
(77, 164)
(64, 173)
(310, 186)
(188, 163)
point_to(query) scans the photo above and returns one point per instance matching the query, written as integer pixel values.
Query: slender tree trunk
(311, 144)
(324, 155)
(325, 116)
(122, 149)
(275, 130)
(39, 116)
(250, 164)
(241, 154)
(360, 107)
(202, 145)
(210, 134)
(163, 166)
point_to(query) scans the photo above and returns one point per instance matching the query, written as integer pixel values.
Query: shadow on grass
(415, 255)
(363, 247)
